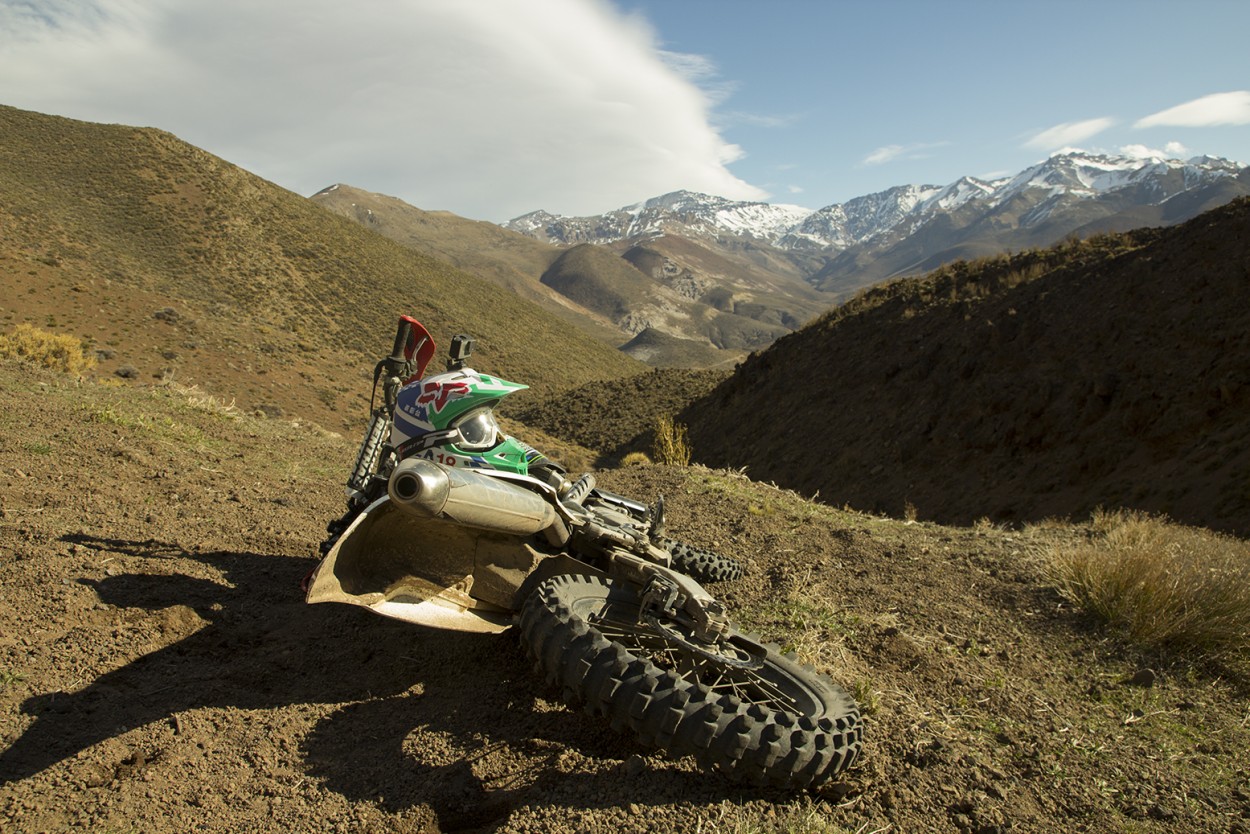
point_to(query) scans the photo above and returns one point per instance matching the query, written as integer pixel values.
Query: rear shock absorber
(580, 489)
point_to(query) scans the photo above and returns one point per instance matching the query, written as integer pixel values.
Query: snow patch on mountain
(1066, 175)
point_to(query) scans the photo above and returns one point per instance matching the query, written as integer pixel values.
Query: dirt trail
(159, 671)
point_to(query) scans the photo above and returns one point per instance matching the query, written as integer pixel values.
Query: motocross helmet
(449, 418)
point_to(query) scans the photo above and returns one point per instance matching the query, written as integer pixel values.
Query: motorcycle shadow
(260, 647)
(473, 757)
(404, 686)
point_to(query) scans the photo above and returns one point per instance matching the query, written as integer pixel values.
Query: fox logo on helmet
(437, 393)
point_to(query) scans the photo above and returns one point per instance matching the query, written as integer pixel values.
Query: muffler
(430, 490)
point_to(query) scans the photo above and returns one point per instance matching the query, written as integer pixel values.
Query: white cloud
(489, 109)
(1067, 134)
(1216, 109)
(884, 154)
(1172, 150)
(890, 153)
(739, 117)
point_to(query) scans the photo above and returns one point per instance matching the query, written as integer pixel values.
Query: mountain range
(696, 280)
(910, 229)
(671, 301)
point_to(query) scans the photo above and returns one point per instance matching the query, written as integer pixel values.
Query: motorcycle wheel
(702, 565)
(740, 708)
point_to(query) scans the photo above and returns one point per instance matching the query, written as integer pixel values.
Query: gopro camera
(461, 348)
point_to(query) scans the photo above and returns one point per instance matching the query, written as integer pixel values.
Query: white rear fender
(424, 570)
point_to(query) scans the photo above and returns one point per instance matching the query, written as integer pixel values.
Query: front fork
(391, 371)
(369, 457)
(668, 594)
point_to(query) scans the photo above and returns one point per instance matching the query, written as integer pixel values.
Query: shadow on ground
(449, 720)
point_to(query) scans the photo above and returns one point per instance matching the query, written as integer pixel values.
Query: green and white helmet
(449, 418)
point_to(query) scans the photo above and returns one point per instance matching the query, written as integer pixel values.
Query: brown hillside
(747, 279)
(597, 280)
(1112, 372)
(173, 262)
(707, 305)
(618, 416)
(664, 350)
(487, 250)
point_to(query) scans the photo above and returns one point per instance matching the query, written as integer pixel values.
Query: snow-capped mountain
(1061, 180)
(681, 212)
(692, 278)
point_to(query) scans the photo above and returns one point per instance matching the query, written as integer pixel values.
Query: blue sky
(829, 100)
(492, 108)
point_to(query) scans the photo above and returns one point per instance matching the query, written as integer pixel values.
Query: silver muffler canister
(466, 497)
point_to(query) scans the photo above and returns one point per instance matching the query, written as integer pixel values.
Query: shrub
(671, 446)
(636, 459)
(1169, 587)
(60, 352)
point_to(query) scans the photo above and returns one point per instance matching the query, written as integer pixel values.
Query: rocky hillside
(699, 306)
(175, 264)
(1113, 372)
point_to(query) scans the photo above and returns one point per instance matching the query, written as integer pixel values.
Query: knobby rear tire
(780, 724)
(703, 565)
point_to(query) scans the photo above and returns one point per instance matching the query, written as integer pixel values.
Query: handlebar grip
(402, 336)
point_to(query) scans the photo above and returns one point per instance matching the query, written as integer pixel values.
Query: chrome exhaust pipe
(427, 489)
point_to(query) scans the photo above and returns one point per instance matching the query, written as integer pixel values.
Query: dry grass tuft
(1168, 586)
(201, 401)
(671, 446)
(59, 352)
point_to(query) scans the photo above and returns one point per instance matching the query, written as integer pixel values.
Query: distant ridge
(713, 279)
(911, 229)
(702, 306)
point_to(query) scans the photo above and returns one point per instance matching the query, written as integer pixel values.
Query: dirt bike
(453, 524)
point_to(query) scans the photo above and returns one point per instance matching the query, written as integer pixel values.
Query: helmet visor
(478, 430)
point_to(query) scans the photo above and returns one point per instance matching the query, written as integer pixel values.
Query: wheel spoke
(746, 684)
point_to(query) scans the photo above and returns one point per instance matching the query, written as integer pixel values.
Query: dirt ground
(159, 671)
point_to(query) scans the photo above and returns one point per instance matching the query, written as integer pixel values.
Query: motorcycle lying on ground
(453, 524)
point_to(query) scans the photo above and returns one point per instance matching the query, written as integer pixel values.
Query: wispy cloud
(702, 72)
(1172, 150)
(884, 154)
(1216, 109)
(891, 153)
(489, 109)
(739, 117)
(1068, 133)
